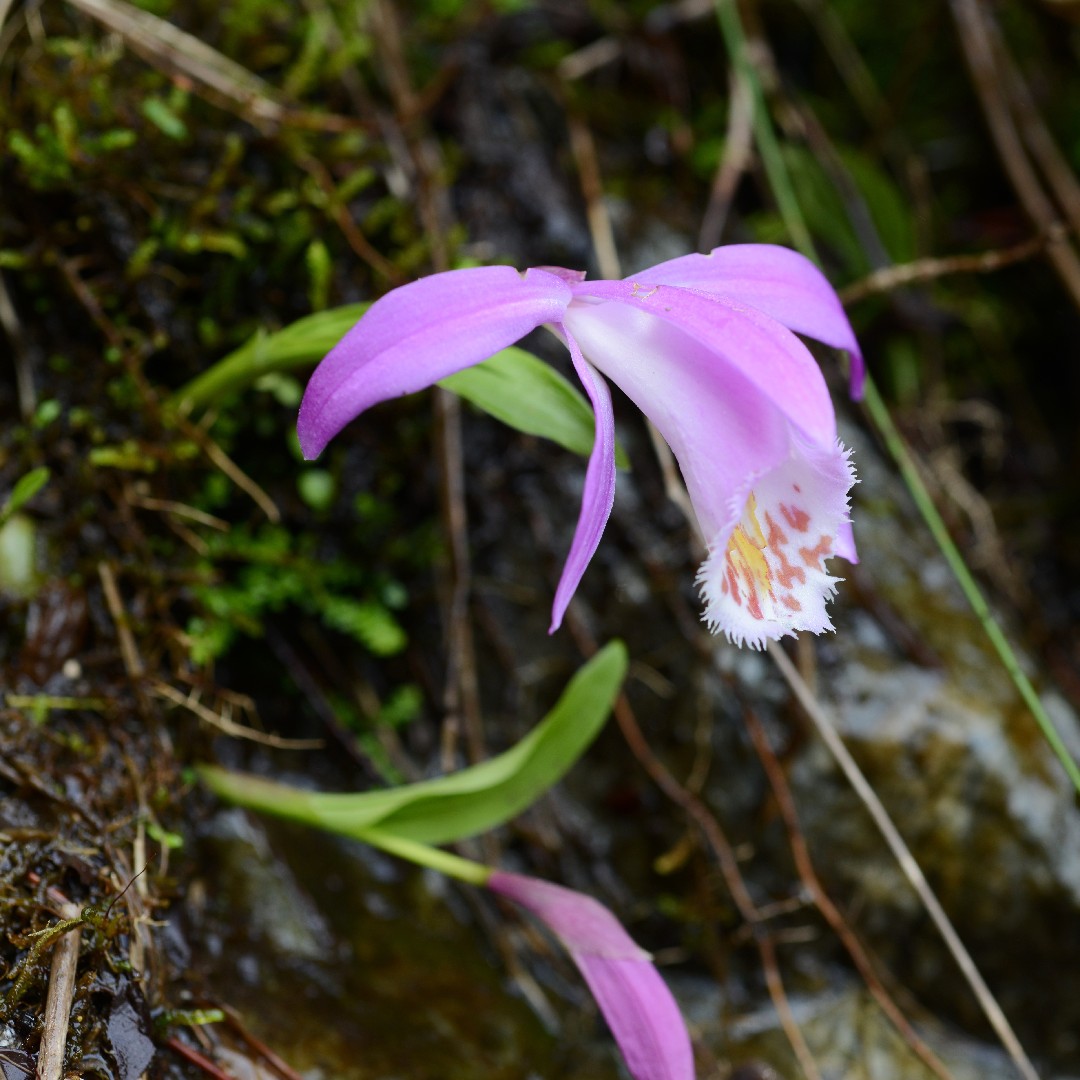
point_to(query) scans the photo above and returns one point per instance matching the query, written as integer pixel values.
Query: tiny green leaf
(298, 345)
(26, 487)
(464, 803)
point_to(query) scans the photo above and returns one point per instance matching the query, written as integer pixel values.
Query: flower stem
(445, 862)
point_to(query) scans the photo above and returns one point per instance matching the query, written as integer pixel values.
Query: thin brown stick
(169, 506)
(973, 20)
(360, 244)
(227, 726)
(65, 960)
(603, 236)
(906, 861)
(896, 277)
(275, 1061)
(735, 160)
(699, 813)
(1040, 142)
(201, 1061)
(24, 376)
(175, 50)
(462, 691)
(808, 875)
(133, 664)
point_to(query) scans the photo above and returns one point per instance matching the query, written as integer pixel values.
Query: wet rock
(960, 765)
(848, 1036)
(353, 966)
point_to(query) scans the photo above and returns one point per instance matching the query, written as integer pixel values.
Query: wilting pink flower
(635, 1001)
(703, 345)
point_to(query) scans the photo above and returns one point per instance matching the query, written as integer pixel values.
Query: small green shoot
(26, 487)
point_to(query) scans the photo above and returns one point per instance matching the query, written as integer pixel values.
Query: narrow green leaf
(464, 803)
(513, 386)
(26, 487)
(298, 345)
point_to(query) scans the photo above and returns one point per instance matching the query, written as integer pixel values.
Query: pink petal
(420, 333)
(741, 340)
(635, 1001)
(776, 280)
(740, 456)
(643, 1017)
(599, 494)
(723, 429)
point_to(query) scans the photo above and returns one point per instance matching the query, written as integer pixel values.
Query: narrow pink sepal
(776, 280)
(636, 1002)
(598, 496)
(420, 333)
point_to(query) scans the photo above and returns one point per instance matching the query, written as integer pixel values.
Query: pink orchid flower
(703, 345)
(634, 999)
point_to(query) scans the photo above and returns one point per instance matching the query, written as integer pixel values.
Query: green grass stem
(433, 858)
(788, 204)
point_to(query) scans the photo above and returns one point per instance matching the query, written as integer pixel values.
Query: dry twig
(829, 911)
(225, 725)
(905, 860)
(974, 23)
(65, 960)
(462, 696)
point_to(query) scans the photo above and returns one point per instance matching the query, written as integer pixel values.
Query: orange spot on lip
(753, 605)
(813, 556)
(791, 603)
(787, 573)
(797, 518)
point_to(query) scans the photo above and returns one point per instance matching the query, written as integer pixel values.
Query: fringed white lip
(767, 579)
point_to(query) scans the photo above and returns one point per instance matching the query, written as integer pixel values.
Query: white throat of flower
(769, 579)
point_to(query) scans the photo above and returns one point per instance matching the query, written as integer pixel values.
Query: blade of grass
(892, 438)
(787, 201)
(780, 182)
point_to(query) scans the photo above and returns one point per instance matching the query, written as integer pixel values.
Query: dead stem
(973, 22)
(1055, 167)
(174, 50)
(227, 726)
(133, 664)
(24, 375)
(603, 236)
(200, 1061)
(65, 960)
(734, 162)
(906, 861)
(829, 911)
(462, 693)
(360, 244)
(896, 277)
(278, 1064)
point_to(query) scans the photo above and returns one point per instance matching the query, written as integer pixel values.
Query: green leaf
(464, 803)
(531, 396)
(26, 487)
(298, 345)
(513, 386)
